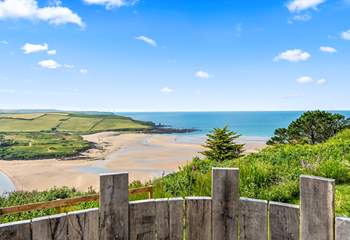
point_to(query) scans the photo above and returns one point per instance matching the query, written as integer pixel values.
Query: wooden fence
(224, 216)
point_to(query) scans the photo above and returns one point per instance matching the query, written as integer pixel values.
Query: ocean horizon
(246, 123)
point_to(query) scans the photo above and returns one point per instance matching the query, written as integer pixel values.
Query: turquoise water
(6, 184)
(257, 124)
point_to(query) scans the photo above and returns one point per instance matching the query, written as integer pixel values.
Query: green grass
(42, 145)
(118, 124)
(272, 173)
(68, 122)
(45, 122)
(78, 124)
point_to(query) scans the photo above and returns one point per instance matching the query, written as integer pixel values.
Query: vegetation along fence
(224, 216)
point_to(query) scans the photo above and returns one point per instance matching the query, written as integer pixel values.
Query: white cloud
(33, 48)
(147, 40)
(50, 64)
(83, 71)
(112, 3)
(305, 79)
(4, 42)
(29, 9)
(346, 35)
(321, 81)
(301, 5)
(166, 90)
(294, 55)
(202, 74)
(308, 79)
(51, 52)
(327, 49)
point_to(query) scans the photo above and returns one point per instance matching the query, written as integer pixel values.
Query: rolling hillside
(68, 122)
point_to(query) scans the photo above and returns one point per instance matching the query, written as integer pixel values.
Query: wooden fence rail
(223, 216)
(67, 202)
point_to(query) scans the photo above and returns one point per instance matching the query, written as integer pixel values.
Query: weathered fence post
(142, 220)
(316, 208)
(50, 227)
(114, 207)
(15, 231)
(284, 221)
(253, 219)
(162, 219)
(225, 203)
(176, 215)
(198, 218)
(83, 224)
(342, 228)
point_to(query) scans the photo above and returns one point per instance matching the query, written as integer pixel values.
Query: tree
(221, 145)
(311, 127)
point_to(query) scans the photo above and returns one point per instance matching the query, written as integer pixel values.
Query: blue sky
(156, 55)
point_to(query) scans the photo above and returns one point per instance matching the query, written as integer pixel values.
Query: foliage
(24, 197)
(221, 145)
(312, 127)
(271, 174)
(41, 145)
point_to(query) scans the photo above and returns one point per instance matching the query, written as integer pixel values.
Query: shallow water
(6, 185)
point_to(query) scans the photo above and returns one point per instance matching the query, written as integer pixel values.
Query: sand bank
(144, 156)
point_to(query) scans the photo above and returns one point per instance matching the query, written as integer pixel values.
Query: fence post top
(317, 178)
(224, 169)
(15, 223)
(113, 174)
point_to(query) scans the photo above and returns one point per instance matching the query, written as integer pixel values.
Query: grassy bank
(273, 173)
(38, 145)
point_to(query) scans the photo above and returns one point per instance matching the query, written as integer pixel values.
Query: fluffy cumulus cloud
(328, 49)
(346, 35)
(308, 79)
(202, 74)
(112, 3)
(147, 40)
(166, 90)
(29, 48)
(294, 55)
(29, 9)
(49, 64)
(301, 5)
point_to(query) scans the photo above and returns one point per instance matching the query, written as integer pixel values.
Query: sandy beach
(144, 156)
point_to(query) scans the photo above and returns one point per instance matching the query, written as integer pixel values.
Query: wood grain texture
(198, 218)
(316, 208)
(284, 221)
(83, 225)
(50, 228)
(176, 221)
(15, 231)
(142, 220)
(225, 203)
(114, 206)
(253, 219)
(342, 228)
(162, 219)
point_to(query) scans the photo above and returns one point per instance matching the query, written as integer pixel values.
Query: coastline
(144, 156)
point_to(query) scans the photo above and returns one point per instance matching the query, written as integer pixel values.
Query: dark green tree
(221, 145)
(311, 127)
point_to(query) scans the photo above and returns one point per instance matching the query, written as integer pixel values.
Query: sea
(248, 124)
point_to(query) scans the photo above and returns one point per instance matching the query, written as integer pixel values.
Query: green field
(67, 122)
(56, 134)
